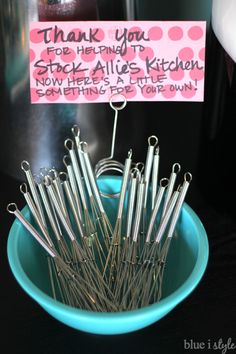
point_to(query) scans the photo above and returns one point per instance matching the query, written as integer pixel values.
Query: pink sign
(81, 62)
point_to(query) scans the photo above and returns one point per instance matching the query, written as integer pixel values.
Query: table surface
(207, 315)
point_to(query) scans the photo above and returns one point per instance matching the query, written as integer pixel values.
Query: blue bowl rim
(165, 305)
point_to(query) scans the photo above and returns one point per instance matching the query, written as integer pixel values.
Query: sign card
(89, 61)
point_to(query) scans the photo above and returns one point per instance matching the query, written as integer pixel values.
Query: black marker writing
(52, 67)
(59, 35)
(128, 36)
(158, 64)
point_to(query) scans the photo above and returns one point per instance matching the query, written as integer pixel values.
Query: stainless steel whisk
(113, 257)
(95, 198)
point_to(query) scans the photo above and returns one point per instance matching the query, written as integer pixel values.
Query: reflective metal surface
(36, 132)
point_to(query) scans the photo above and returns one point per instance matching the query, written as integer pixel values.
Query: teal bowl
(186, 263)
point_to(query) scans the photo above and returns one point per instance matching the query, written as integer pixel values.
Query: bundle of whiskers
(94, 263)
